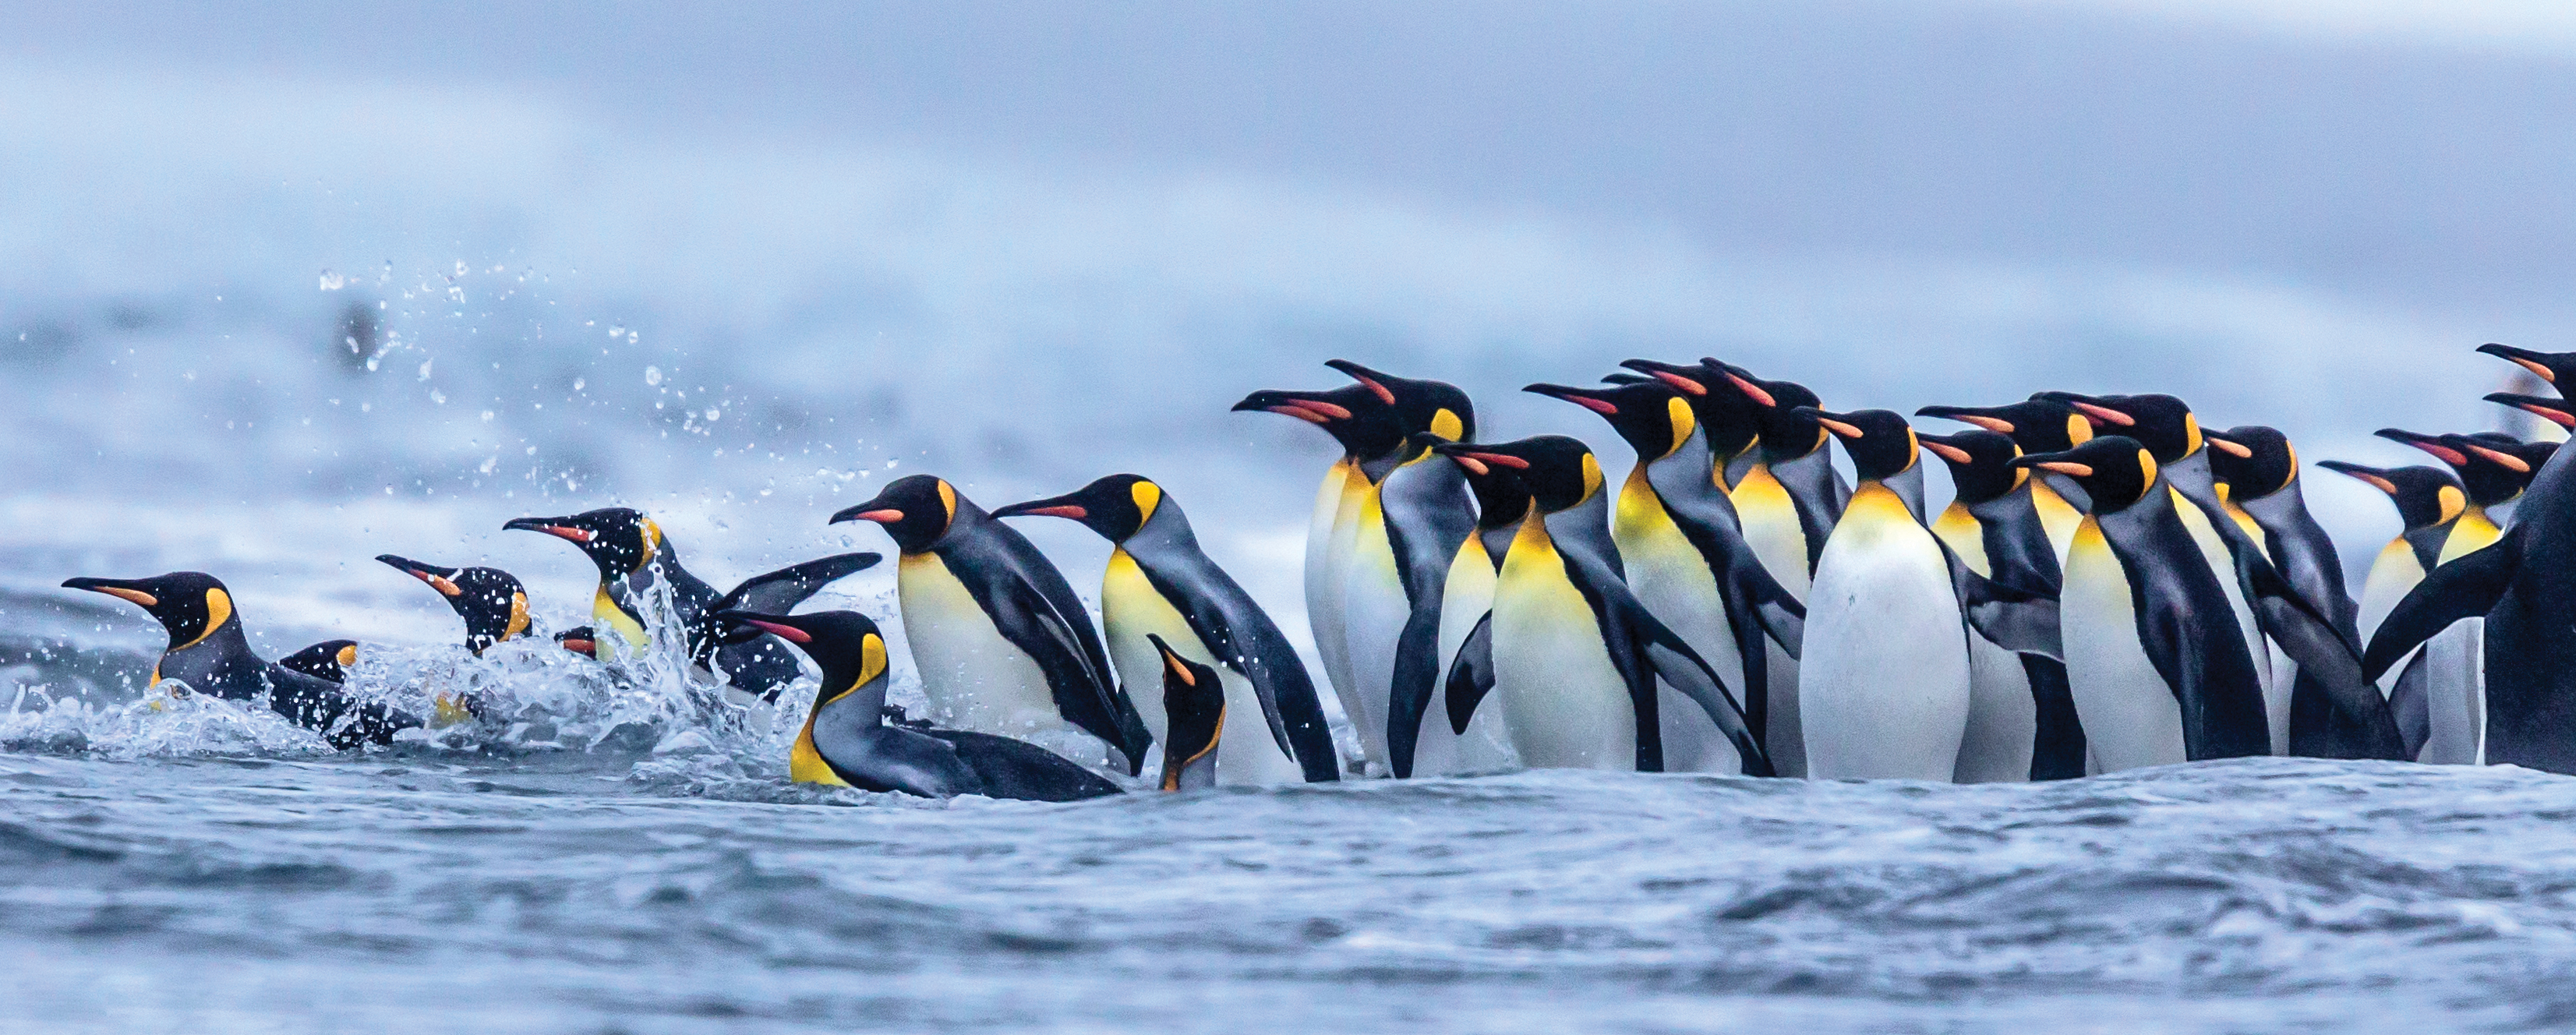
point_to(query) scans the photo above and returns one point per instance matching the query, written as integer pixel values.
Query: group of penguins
(2111, 587)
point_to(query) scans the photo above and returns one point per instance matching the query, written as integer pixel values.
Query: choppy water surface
(164, 874)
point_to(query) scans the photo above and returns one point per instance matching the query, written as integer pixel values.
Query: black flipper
(1020, 770)
(2412, 703)
(2335, 711)
(2467, 587)
(1254, 647)
(1682, 668)
(1083, 692)
(2019, 620)
(779, 592)
(1471, 677)
(321, 661)
(1417, 671)
(2057, 748)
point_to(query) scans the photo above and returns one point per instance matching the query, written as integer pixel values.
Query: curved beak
(1761, 396)
(1978, 416)
(1945, 450)
(2056, 462)
(126, 589)
(1375, 382)
(2524, 358)
(2093, 409)
(2506, 460)
(2235, 449)
(868, 511)
(1833, 422)
(1053, 506)
(553, 526)
(2429, 443)
(1482, 456)
(2554, 411)
(1305, 406)
(773, 624)
(1584, 397)
(2376, 477)
(437, 577)
(1668, 373)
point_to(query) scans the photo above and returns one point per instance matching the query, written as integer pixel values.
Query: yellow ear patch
(2147, 466)
(1591, 476)
(948, 498)
(872, 660)
(2191, 434)
(2453, 501)
(1913, 449)
(652, 534)
(348, 655)
(1148, 496)
(1447, 425)
(2078, 430)
(1683, 421)
(518, 616)
(2294, 467)
(219, 609)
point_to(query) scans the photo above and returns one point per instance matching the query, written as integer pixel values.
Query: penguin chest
(2222, 563)
(1670, 577)
(2130, 716)
(1883, 689)
(975, 678)
(1374, 611)
(1771, 529)
(1323, 591)
(1130, 609)
(607, 613)
(1562, 696)
(1466, 597)
(2391, 576)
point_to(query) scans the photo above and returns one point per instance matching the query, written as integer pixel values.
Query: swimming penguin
(2037, 425)
(580, 640)
(1194, 711)
(1575, 655)
(2523, 586)
(1000, 641)
(2428, 499)
(491, 601)
(1687, 561)
(327, 660)
(846, 742)
(2021, 716)
(209, 653)
(640, 577)
(1159, 583)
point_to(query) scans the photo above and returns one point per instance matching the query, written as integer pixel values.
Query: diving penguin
(491, 601)
(209, 653)
(2021, 717)
(2036, 425)
(1687, 561)
(1574, 654)
(845, 741)
(328, 660)
(1161, 588)
(1001, 643)
(1194, 717)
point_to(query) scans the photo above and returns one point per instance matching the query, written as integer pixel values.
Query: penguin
(1794, 461)
(2036, 425)
(999, 639)
(2021, 716)
(2523, 587)
(1467, 603)
(640, 576)
(1159, 583)
(491, 601)
(2490, 484)
(846, 743)
(579, 639)
(2254, 474)
(1424, 505)
(209, 653)
(1194, 711)
(2428, 500)
(1727, 418)
(328, 660)
(1574, 654)
(1687, 561)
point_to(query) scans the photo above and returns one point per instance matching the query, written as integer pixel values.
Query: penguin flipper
(2467, 587)
(1719, 538)
(321, 661)
(2057, 744)
(1244, 639)
(779, 592)
(2335, 712)
(1417, 670)
(1681, 668)
(1471, 676)
(322, 706)
(2016, 619)
(1083, 692)
(1016, 769)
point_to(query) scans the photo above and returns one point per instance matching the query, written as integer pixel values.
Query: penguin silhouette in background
(1685, 557)
(2021, 716)
(1000, 641)
(2037, 425)
(1194, 715)
(1161, 592)
(845, 741)
(209, 652)
(328, 660)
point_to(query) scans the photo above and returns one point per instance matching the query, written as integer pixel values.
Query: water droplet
(333, 281)
(424, 368)
(652, 375)
(577, 383)
(713, 413)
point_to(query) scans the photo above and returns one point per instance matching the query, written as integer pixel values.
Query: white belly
(1374, 610)
(1670, 578)
(2003, 720)
(2455, 695)
(1562, 697)
(2392, 576)
(1884, 691)
(1332, 626)
(1129, 609)
(975, 679)
(1466, 597)
(2131, 719)
(1772, 531)
(2276, 694)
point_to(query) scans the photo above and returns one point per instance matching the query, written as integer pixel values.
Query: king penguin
(328, 660)
(1687, 561)
(845, 741)
(1794, 461)
(209, 653)
(1575, 655)
(1430, 522)
(1160, 587)
(2037, 425)
(1194, 711)
(2021, 718)
(2428, 499)
(1467, 607)
(1000, 641)
(2254, 472)
(491, 601)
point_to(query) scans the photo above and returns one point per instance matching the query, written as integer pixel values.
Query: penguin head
(191, 605)
(1730, 419)
(2522, 459)
(580, 640)
(1559, 472)
(915, 509)
(2116, 471)
(2251, 461)
(620, 540)
(2037, 425)
(1437, 407)
(1358, 419)
(1650, 416)
(2162, 423)
(1502, 496)
(1881, 444)
(2490, 481)
(846, 645)
(493, 604)
(327, 660)
(2425, 496)
(1980, 462)
(1194, 711)
(1787, 434)
(2557, 368)
(2555, 411)
(1116, 506)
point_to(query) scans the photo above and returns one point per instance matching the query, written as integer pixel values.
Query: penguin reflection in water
(846, 742)
(210, 654)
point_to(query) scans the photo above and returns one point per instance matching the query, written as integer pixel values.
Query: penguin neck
(1583, 530)
(1165, 534)
(2190, 476)
(222, 641)
(1908, 486)
(1376, 468)
(2471, 532)
(1731, 472)
(2061, 490)
(1688, 467)
(862, 708)
(1194, 768)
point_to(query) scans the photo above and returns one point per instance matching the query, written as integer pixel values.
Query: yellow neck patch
(1591, 476)
(1447, 425)
(805, 763)
(2453, 501)
(1148, 496)
(1679, 414)
(518, 616)
(219, 609)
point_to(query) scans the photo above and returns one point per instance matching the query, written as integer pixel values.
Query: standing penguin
(1466, 631)
(2037, 425)
(1000, 641)
(1429, 521)
(1794, 463)
(1575, 655)
(846, 743)
(1194, 710)
(209, 652)
(2428, 500)
(1161, 588)
(2255, 475)
(2021, 717)
(1687, 561)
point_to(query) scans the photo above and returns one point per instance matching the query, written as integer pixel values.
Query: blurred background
(286, 287)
